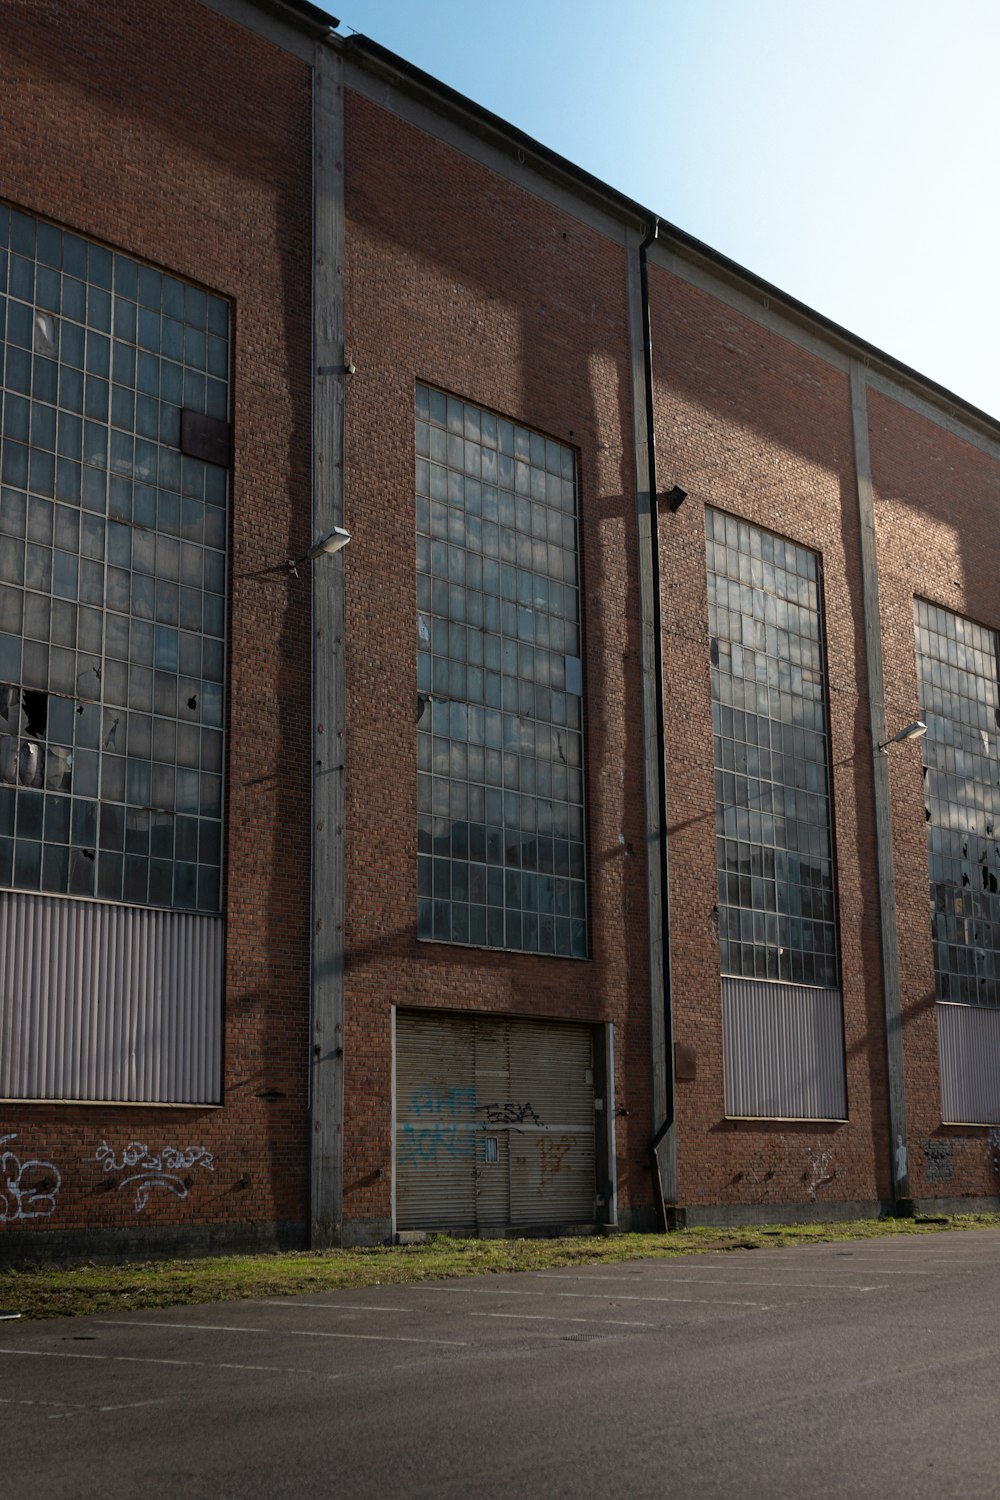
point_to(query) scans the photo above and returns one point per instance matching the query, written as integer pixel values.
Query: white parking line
(894, 1271)
(337, 1306)
(925, 1260)
(950, 1260)
(190, 1327)
(858, 1263)
(205, 1364)
(300, 1333)
(832, 1286)
(558, 1318)
(96, 1410)
(612, 1296)
(377, 1338)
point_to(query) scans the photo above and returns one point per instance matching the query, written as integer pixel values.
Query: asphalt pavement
(851, 1369)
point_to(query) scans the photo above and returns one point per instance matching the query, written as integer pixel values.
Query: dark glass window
(957, 665)
(775, 858)
(112, 574)
(499, 684)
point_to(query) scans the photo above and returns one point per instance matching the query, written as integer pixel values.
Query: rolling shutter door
(492, 1047)
(435, 1123)
(552, 1171)
(494, 1123)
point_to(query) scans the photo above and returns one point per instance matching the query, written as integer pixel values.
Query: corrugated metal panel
(491, 1043)
(492, 1170)
(969, 1044)
(553, 1162)
(494, 1122)
(435, 1123)
(109, 1002)
(783, 1051)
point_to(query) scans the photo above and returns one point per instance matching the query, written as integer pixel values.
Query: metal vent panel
(969, 1043)
(783, 1051)
(109, 1002)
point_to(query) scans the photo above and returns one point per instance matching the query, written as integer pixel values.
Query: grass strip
(59, 1291)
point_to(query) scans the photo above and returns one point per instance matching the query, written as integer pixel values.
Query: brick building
(156, 461)
(533, 861)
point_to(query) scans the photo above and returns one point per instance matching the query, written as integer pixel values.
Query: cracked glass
(957, 668)
(774, 849)
(113, 555)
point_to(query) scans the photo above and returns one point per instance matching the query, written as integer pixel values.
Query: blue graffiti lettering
(456, 1103)
(446, 1122)
(420, 1145)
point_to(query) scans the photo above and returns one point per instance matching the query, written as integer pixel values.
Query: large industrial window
(499, 684)
(775, 864)
(782, 1021)
(112, 575)
(960, 702)
(957, 666)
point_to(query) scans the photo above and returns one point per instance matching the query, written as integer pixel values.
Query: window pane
(101, 608)
(493, 631)
(957, 669)
(772, 796)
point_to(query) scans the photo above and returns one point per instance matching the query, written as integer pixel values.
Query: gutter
(316, 23)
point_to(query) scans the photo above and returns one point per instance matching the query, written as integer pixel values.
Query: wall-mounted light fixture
(675, 497)
(329, 542)
(350, 368)
(912, 731)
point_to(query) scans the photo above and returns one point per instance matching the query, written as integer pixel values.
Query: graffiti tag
(455, 1103)
(820, 1173)
(552, 1156)
(439, 1140)
(901, 1163)
(28, 1189)
(506, 1112)
(445, 1122)
(154, 1169)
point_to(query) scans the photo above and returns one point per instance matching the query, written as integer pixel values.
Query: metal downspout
(326, 1041)
(663, 1147)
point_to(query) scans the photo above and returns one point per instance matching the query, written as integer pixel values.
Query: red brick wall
(178, 137)
(751, 424)
(937, 499)
(461, 279)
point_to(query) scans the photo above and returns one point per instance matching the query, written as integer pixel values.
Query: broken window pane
(957, 666)
(58, 769)
(772, 800)
(89, 607)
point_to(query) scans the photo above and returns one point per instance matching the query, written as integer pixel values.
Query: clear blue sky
(845, 151)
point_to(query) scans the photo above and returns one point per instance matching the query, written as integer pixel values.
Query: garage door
(494, 1123)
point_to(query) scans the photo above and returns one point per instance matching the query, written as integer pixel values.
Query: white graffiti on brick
(148, 1169)
(901, 1163)
(28, 1189)
(821, 1172)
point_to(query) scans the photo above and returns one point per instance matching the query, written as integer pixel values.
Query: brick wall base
(726, 1215)
(160, 1242)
